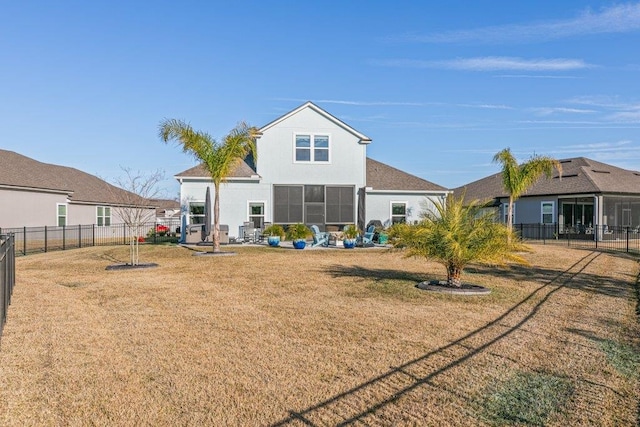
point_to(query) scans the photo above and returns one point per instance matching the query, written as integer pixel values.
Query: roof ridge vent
(600, 171)
(571, 175)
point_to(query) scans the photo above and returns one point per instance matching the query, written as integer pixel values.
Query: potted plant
(298, 233)
(274, 234)
(350, 233)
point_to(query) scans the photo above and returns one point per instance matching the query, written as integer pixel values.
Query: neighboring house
(311, 168)
(167, 211)
(36, 194)
(588, 194)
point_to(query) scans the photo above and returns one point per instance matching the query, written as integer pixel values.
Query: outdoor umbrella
(206, 228)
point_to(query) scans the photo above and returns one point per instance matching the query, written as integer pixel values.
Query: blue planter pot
(299, 244)
(349, 243)
(273, 240)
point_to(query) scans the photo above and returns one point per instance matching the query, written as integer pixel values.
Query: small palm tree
(517, 179)
(219, 158)
(454, 235)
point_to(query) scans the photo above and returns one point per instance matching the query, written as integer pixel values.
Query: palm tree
(219, 158)
(454, 235)
(517, 179)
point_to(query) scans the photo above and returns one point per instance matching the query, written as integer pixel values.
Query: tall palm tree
(517, 179)
(219, 158)
(455, 234)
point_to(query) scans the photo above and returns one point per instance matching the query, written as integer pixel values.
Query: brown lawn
(314, 337)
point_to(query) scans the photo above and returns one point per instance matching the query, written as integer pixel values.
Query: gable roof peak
(310, 105)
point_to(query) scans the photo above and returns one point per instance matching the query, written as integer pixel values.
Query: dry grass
(315, 337)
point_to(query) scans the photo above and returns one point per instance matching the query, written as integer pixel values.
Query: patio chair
(367, 238)
(320, 238)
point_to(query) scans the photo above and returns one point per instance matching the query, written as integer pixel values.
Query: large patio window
(314, 204)
(621, 211)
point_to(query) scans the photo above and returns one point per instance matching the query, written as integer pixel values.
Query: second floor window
(312, 148)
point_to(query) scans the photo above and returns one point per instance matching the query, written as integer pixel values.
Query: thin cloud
(547, 111)
(357, 103)
(490, 63)
(616, 19)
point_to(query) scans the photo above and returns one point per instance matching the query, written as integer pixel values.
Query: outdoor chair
(320, 238)
(367, 238)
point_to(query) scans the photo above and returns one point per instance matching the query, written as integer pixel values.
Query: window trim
(191, 216)
(406, 210)
(505, 212)
(65, 216)
(104, 216)
(312, 148)
(264, 210)
(553, 211)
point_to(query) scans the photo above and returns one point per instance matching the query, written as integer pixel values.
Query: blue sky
(439, 87)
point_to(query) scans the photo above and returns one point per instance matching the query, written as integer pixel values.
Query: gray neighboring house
(588, 194)
(311, 168)
(36, 194)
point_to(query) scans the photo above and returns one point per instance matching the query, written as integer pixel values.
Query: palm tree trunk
(510, 219)
(216, 217)
(454, 276)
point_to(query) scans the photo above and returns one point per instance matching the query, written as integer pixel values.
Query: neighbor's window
(256, 214)
(62, 214)
(104, 215)
(398, 212)
(505, 213)
(196, 213)
(312, 148)
(547, 212)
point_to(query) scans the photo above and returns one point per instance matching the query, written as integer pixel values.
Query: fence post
(627, 230)
(24, 241)
(79, 236)
(45, 238)
(93, 235)
(64, 237)
(124, 234)
(596, 234)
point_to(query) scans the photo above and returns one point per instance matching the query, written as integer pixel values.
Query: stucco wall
(276, 151)
(234, 200)
(28, 208)
(378, 205)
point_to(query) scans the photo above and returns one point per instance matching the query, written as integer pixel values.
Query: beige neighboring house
(36, 194)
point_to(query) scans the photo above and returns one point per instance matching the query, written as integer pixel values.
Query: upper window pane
(321, 141)
(303, 141)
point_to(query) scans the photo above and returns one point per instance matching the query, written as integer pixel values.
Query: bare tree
(134, 205)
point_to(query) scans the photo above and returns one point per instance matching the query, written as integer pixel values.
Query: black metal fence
(615, 238)
(29, 240)
(7, 275)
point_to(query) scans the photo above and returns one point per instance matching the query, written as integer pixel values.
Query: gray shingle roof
(17, 170)
(579, 175)
(242, 170)
(384, 177)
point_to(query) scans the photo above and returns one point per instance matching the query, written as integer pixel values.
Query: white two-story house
(312, 168)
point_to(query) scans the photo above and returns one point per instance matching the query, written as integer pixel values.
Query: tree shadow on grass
(365, 403)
